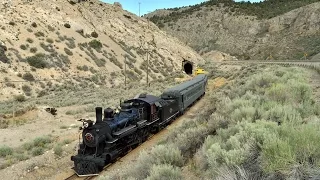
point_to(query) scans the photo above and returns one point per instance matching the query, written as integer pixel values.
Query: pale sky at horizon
(147, 6)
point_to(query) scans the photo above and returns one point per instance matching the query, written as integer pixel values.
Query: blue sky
(151, 5)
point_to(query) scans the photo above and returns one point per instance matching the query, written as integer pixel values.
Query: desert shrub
(138, 71)
(38, 145)
(29, 40)
(4, 123)
(66, 141)
(282, 113)
(71, 43)
(49, 40)
(12, 23)
(20, 156)
(58, 150)
(20, 98)
(294, 146)
(48, 47)
(39, 34)
(80, 31)
(94, 34)
(100, 62)
(158, 155)
(26, 88)
(8, 84)
(50, 28)
(42, 93)
(37, 61)
(34, 25)
(85, 68)
(95, 44)
(164, 171)
(33, 49)
(67, 25)
(68, 51)
(42, 141)
(5, 151)
(231, 146)
(28, 76)
(188, 137)
(37, 151)
(114, 60)
(23, 47)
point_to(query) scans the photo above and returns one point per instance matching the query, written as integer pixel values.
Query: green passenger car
(188, 92)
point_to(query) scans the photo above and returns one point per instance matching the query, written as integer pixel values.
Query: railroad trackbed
(305, 63)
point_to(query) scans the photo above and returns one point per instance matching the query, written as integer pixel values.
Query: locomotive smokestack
(98, 114)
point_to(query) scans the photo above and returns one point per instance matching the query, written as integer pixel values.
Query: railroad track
(75, 176)
(301, 63)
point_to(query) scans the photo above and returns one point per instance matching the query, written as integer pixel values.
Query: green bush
(95, 44)
(165, 171)
(94, 34)
(33, 49)
(26, 88)
(20, 156)
(37, 151)
(40, 142)
(20, 98)
(38, 61)
(294, 146)
(34, 25)
(49, 40)
(158, 155)
(5, 151)
(68, 51)
(28, 76)
(58, 150)
(39, 34)
(23, 47)
(100, 62)
(50, 28)
(67, 25)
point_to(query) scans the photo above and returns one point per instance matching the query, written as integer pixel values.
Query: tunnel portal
(187, 67)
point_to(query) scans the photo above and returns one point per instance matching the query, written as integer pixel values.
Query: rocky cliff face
(289, 36)
(80, 42)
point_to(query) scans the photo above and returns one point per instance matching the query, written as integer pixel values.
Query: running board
(167, 120)
(142, 123)
(125, 131)
(152, 122)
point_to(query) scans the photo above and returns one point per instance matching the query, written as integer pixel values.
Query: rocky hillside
(272, 29)
(85, 43)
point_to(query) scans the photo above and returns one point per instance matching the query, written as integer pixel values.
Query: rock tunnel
(187, 67)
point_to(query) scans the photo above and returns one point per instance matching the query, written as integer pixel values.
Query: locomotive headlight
(89, 137)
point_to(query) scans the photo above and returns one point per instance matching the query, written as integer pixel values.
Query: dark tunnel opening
(188, 68)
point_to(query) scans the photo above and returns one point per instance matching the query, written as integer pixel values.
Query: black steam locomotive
(115, 133)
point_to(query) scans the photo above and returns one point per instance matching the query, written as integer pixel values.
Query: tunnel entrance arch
(187, 67)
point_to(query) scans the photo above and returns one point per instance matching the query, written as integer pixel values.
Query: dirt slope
(234, 29)
(84, 42)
